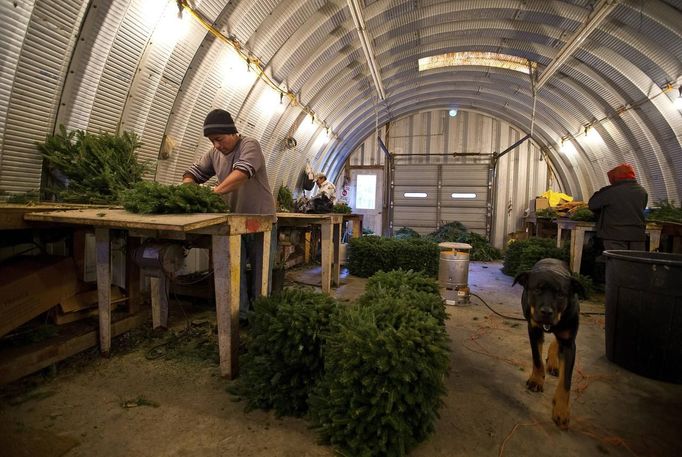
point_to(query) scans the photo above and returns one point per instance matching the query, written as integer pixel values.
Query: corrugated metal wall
(40, 38)
(520, 175)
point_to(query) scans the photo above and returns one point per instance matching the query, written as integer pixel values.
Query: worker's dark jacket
(620, 211)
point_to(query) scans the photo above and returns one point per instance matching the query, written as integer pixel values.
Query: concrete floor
(487, 412)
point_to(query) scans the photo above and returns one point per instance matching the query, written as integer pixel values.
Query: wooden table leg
(558, 236)
(307, 246)
(265, 276)
(102, 255)
(577, 240)
(327, 253)
(357, 228)
(226, 253)
(336, 268)
(654, 240)
(133, 275)
(158, 286)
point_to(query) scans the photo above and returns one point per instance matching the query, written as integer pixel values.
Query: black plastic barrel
(644, 313)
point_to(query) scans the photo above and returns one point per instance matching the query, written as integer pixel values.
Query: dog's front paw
(560, 414)
(554, 371)
(534, 384)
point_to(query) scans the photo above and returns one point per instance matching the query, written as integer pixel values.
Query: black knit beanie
(219, 122)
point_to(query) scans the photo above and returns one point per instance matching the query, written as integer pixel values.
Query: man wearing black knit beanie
(239, 165)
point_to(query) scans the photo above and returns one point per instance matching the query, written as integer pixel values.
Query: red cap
(621, 172)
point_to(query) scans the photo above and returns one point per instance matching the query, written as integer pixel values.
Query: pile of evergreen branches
(148, 197)
(370, 375)
(341, 208)
(284, 350)
(93, 168)
(370, 254)
(385, 365)
(456, 232)
(665, 211)
(448, 232)
(521, 255)
(582, 214)
(415, 288)
(406, 233)
(285, 199)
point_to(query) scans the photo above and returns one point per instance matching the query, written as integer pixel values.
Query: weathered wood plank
(20, 362)
(122, 219)
(102, 255)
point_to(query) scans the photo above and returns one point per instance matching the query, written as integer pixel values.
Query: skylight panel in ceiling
(486, 59)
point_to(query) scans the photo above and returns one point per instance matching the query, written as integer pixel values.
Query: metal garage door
(426, 196)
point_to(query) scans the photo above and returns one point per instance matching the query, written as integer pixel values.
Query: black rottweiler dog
(550, 304)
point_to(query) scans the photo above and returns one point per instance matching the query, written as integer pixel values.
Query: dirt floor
(168, 400)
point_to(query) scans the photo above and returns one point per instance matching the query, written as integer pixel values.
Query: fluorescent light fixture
(463, 195)
(415, 195)
(483, 59)
(452, 112)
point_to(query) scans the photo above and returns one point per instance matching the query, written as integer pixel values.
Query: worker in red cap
(619, 208)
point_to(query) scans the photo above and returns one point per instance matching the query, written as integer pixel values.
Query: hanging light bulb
(452, 112)
(567, 148)
(591, 133)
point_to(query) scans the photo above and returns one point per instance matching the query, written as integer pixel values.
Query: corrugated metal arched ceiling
(121, 73)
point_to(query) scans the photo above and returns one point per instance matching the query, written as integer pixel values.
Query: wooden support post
(336, 269)
(102, 254)
(133, 275)
(265, 275)
(159, 286)
(226, 253)
(327, 252)
(307, 245)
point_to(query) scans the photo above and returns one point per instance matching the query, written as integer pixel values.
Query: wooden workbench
(225, 231)
(330, 228)
(356, 220)
(12, 214)
(578, 230)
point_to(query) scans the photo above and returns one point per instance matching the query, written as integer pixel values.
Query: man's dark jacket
(620, 211)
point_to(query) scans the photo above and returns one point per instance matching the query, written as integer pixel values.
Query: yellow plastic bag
(555, 198)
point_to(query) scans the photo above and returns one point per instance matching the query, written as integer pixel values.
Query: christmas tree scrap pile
(385, 363)
(154, 198)
(91, 168)
(370, 376)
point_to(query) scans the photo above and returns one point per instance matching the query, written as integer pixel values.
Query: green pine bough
(148, 197)
(91, 168)
(521, 255)
(285, 199)
(341, 208)
(370, 254)
(385, 365)
(665, 211)
(415, 288)
(284, 351)
(370, 377)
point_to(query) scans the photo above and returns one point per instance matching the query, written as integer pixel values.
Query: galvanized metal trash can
(453, 273)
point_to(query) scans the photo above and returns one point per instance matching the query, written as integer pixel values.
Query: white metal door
(364, 201)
